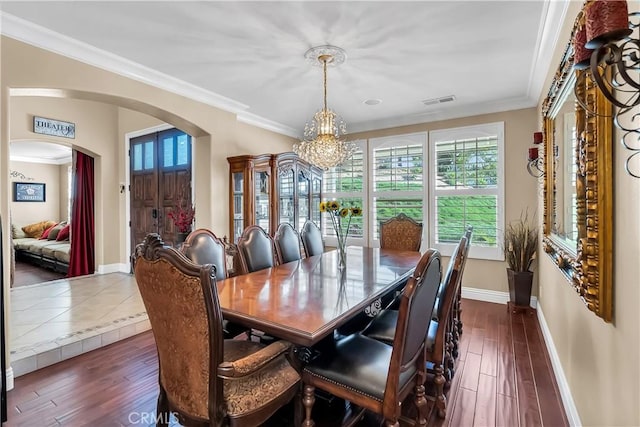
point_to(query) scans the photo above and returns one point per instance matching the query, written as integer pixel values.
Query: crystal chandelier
(322, 144)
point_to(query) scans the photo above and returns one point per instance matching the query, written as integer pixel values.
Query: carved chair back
(182, 304)
(401, 233)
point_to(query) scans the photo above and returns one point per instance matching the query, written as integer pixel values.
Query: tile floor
(57, 320)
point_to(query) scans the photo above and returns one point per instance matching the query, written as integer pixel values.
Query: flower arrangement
(520, 244)
(183, 217)
(337, 214)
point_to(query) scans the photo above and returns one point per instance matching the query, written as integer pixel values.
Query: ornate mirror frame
(590, 267)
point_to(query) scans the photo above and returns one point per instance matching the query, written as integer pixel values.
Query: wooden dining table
(305, 301)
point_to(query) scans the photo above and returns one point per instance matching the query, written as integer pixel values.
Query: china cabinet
(270, 189)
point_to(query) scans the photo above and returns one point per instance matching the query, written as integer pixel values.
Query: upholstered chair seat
(311, 239)
(361, 364)
(249, 380)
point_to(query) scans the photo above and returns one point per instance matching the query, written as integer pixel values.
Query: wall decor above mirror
(578, 182)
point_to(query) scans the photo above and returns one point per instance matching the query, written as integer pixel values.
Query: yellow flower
(323, 206)
(356, 211)
(334, 205)
(344, 212)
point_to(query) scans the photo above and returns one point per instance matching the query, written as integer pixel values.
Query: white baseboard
(565, 392)
(486, 295)
(9, 378)
(113, 268)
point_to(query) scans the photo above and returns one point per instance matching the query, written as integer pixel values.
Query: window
(347, 184)
(467, 188)
(397, 179)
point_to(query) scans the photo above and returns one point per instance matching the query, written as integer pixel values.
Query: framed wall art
(29, 192)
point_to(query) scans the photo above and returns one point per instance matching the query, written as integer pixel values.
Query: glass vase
(342, 256)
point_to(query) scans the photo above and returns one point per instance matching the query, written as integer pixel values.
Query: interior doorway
(160, 177)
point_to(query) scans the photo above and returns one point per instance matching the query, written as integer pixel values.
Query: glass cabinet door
(316, 192)
(238, 204)
(303, 199)
(262, 192)
(286, 205)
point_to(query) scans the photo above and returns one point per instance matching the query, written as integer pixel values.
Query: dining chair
(372, 374)
(311, 239)
(256, 249)
(457, 306)
(203, 247)
(439, 332)
(401, 233)
(287, 243)
(203, 378)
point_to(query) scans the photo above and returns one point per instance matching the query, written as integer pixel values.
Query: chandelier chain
(322, 144)
(324, 73)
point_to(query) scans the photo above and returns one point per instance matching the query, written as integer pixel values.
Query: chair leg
(308, 399)
(162, 409)
(458, 312)
(421, 404)
(441, 400)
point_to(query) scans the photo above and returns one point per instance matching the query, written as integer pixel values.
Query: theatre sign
(53, 127)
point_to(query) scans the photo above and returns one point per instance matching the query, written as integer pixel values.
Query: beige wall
(23, 213)
(101, 125)
(520, 187)
(601, 360)
(64, 192)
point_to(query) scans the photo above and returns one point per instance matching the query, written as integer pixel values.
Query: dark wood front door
(160, 181)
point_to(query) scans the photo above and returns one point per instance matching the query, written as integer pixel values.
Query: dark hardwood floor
(29, 274)
(503, 378)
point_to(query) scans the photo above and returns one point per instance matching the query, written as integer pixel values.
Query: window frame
(473, 131)
(389, 142)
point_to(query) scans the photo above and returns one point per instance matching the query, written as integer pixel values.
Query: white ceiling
(488, 54)
(39, 152)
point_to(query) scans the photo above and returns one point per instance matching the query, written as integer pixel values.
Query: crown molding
(28, 159)
(554, 14)
(36, 35)
(438, 115)
(254, 120)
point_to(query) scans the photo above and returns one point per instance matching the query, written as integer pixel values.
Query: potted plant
(182, 218)
(519, 246)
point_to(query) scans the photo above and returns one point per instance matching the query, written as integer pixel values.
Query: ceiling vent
(440, 100)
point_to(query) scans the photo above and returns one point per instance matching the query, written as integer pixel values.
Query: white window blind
(347, 184)
(467, 185)
(397, 179)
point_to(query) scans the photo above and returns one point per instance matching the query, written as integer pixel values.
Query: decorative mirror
(578, 183)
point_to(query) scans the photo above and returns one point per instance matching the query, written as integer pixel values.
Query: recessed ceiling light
(373, 101)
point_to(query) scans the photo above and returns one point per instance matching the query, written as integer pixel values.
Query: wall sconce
(534, 162)
(608, 44)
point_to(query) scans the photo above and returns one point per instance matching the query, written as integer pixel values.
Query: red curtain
(82, 257)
